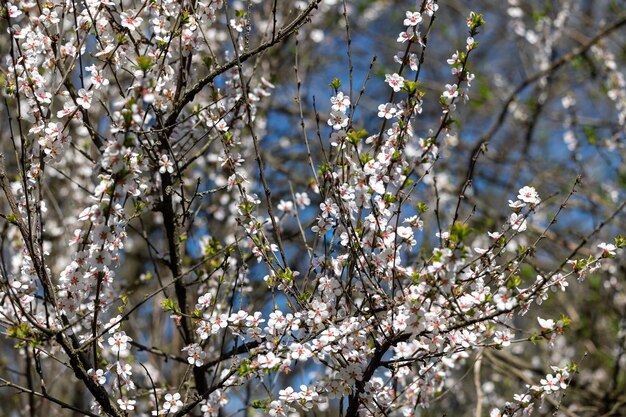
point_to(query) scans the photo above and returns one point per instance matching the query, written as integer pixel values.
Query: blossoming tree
(189, 230)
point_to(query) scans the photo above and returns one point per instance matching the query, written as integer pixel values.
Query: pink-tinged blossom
(268, 361)
(255, 320)
(113, 324)
(318, 312)
(285, 206)
(124, 371)
(412, 18)
(100, 259)
(562, 376)
(278, 409)
(608, 249)
(340, 102)
(329, 208)
(529, 195)
(119, 342)
(546, 324)
(338, 120)
(558, 281)
(338, 138)
(302, 200)
(387, 111)
(450, 92)
(222, 126)
(84, 98)
(308, 396)
(454, 59)
(504, 301)
(68, 109)
(395, 81)
(96, 78)
(468, 338)
(239, 24)
(276, 320)
(44, 97)
(430, 7)
(130, 20)
(172, 403)
(299, 351)
(195, 354)
(165, 165)
(470, 43)
(126, 404)
(97, 376)
(410, 59)
(204, 329)
(288, 395)
(14, 11)
(517, 204)
(204, 301)
(404, 36)
(550, 384)
(502, 337)
(517, 222)
(413, 61)
(406, 233)
(495, 412)
(415, 222)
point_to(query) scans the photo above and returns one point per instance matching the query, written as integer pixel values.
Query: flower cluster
(186, 218)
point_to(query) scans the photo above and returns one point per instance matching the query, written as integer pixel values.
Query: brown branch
(6, 383)
(374, 364)
(282, 34)
(481, 146)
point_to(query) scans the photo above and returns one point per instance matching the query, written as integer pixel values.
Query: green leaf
(474, 22)
(144, 63)
(184, 17)
(458, 232)
(390, 198)
(590, 133)
(323, 169)
(286, 275)
(335, 84)
(246, 207)
(124, 299)
(12, 218)
(18, 331)
(244, 367)
(356, 136)
(514, 282)
(259, 404)
(410, 86)
(565, 320)
(169, 305)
